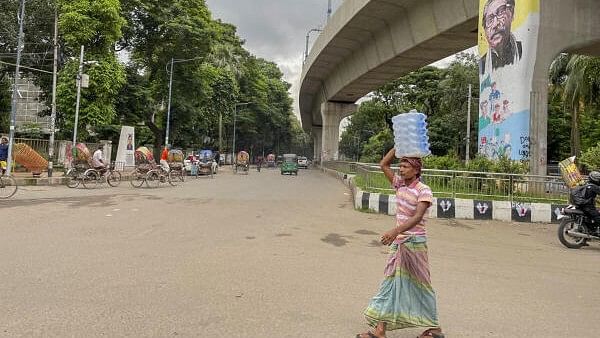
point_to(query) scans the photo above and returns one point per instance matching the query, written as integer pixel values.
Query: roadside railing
(465, 184)
(40, 146)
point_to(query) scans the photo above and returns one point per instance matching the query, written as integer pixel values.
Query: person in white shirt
(98, 159)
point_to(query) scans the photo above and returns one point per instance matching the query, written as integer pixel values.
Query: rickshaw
(206, 163)
(144, 163)
(80, 162)
(176, 167)
(81, 171)
(271, 161)
(242, 162)
(289, 164)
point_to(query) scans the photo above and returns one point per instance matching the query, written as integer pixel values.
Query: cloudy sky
(275, 29)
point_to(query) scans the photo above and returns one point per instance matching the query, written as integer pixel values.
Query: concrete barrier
(455, 207)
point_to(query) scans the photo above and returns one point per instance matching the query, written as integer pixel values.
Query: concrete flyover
(368, 43)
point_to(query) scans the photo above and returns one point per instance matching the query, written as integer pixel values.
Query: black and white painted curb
(457, 208)
(465, 208)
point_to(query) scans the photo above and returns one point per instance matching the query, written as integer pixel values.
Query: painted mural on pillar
(508, 32)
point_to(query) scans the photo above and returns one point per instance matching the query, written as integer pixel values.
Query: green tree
(441, 94)
(576, 78)
(97, 26)
(158, 31)
(38, 50)
(4, 103)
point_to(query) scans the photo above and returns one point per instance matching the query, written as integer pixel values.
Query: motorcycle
(576, 229)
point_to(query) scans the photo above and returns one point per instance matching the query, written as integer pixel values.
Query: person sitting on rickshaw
(98, 161)
(164, 156)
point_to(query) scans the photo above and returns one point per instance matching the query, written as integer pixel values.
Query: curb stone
(451, 208)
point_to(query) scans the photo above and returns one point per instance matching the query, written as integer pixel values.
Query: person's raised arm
(386, 163)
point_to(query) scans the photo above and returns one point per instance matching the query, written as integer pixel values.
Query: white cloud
(275, 30)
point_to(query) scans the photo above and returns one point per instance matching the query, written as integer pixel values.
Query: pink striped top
(407, 198)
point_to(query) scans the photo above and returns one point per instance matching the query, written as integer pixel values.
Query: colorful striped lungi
(406, 298)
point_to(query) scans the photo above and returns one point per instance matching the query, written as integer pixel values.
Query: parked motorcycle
(576, 229)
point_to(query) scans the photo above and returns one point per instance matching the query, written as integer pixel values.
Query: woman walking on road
(406, 298)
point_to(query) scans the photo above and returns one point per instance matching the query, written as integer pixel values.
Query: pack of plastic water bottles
(410, 135)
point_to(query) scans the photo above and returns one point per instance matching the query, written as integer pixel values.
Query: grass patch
(448, 186)
(367, 210)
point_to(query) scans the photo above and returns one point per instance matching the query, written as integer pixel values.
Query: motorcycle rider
(584, 197)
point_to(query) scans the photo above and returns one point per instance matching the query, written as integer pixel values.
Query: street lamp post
(78, 99)
(169, 105)
(307, 39)
(468, 147)
(54, 79)
(13, 112)
(170, 91)
(234, 118)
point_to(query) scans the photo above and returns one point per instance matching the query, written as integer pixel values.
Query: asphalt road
(266, 255)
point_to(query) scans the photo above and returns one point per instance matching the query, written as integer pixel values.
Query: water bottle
(410, 134)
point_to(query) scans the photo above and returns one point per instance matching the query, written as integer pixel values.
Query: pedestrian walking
(406, 298)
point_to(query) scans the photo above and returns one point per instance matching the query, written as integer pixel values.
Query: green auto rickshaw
(289, 164)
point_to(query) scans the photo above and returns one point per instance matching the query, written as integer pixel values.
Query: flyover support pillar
(538, 137)
(332, 114)
(558, 32)
(317, 134)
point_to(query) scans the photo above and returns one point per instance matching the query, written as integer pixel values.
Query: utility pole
(53, 114)
(79, 76)
(234, 118)
(328, 10)
(169, 106)
(78, 100)
(467, 156)
(220, 132)
(13, 113)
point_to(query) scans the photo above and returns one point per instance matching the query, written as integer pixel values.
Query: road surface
(266, 255)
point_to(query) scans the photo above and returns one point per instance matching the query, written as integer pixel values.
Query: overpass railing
(464, 184)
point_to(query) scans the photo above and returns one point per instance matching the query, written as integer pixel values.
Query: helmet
(594, 177)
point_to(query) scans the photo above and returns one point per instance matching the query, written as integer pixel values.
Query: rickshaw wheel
(114, 178)
(153, 179)
(174, 177)
(90, 179)
(73, 178)
(137, 179)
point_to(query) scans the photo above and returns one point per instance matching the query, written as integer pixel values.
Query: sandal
(433, 333)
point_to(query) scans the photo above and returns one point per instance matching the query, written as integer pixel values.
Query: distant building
(29, 107)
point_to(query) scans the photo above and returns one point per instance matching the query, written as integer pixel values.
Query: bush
(508, 166)
(481, 164)
(447, 162)
(590, 159)
(377, 146)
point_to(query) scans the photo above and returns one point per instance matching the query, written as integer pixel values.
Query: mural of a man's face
(497, 21)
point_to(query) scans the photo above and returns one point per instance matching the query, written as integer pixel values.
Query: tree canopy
(134, 42)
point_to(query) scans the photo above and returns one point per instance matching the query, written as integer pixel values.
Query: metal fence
(40, 146)
(465, 184)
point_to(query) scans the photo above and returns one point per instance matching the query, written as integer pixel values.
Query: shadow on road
(78, 201)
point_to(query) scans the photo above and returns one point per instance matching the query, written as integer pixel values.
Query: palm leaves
(576, 80)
